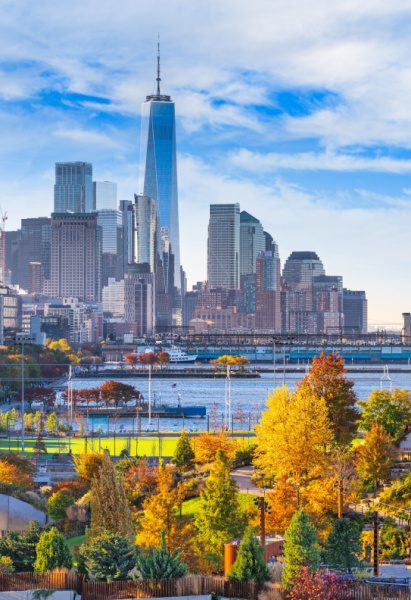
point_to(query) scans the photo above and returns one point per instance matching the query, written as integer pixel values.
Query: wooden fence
(191, 585)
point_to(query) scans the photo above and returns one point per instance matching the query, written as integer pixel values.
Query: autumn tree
(293, 434)
(148, 358)
(184, 454)
(88, 465)
(391, 409)
(320, 586)
(52, 423)
(23, 463)
(10, 474)
(327, 379)
(109, 508)
(161, 516)
(376, 456)
(300, 548)
(132, 359)
(42, 394)
(117, 393)
(163, 359)
(220, 517)
(88, 396)
(283, 502)
(139, 481)
(206, 446)
(58, 503)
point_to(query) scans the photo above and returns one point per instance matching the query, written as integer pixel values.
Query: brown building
(35, 278)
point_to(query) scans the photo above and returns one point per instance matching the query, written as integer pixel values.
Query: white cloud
(316, 161)
(87, 137)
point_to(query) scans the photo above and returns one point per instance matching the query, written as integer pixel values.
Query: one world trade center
(158, 166)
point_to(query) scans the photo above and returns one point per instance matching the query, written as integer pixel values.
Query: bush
(244, 456)
(58, 504)
(52, 552)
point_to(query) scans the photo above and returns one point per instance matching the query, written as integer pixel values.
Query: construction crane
(3, 245)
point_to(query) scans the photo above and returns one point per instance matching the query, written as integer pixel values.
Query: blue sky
(298, 110)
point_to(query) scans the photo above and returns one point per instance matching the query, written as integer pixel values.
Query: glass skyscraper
(73, 189)
(158, 165)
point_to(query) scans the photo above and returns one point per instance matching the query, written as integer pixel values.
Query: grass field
(142, 446)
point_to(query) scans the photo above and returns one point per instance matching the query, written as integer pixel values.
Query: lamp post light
(23, 339)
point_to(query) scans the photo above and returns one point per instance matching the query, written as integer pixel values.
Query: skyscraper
(223, 260)
(158, 164)
(252, 242)
(104, 195)
(75, 256)
(147, 231)
(73, 190)
(110, 221)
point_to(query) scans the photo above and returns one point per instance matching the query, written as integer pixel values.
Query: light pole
(22, 338)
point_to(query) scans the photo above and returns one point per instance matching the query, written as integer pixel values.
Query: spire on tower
(158, 66)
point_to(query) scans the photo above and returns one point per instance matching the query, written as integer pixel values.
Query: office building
(301, 267)
(10, 313)
(268, 290)
(158, 165)
(110, 222)
(223, 257)
(35, 278)
(355, 308)
(252, 242)
(147, 231)
(127, 221)
(104, 195)
(139, 298)
(113, 297)
(73, 189)
(29, 244)
(75, 256)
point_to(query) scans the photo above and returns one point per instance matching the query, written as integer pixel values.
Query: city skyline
(305, 126)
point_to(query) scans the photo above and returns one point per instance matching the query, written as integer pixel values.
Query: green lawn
(143, 446)
(75, 541)
(192, 507)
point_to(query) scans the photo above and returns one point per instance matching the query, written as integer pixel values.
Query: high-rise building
(75, 256)
(139, 298)
(104, 195)
(73, 189)
(147, 230)
(223, 261)
(301, 267)
(127, 220)
(35, 278)
(355, 308)
(110, 221)
(268, 293)
(252, 242)
(158, 164)
(30, 244)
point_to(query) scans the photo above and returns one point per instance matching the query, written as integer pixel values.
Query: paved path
(242, 477)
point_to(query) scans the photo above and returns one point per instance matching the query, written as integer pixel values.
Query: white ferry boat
(179, 356)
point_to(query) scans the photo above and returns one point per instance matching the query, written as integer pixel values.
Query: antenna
(158, 66)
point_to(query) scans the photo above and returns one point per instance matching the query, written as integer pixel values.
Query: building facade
(223, 256)
(355, 308)
(252, 242)
(73, 189)
(104, 195)
(75, 257)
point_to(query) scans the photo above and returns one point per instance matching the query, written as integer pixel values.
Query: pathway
(242, 477)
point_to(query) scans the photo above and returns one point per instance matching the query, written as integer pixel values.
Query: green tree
(52, 423)
(52, 552)
(109, 557)
(6, 565)
(58, 503)
(391, 409)
(21, 547)
(109, 507)
(160, 563)
(376, 456)
(220, 517)
(344, 546)
(184, 454)
(250, 564)
(327, 379)
(300, 548)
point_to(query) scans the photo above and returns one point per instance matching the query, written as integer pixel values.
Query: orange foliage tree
(117, 393)
(12, 475)
(207, 445)
(88, 465)
(327, 379)
(140, 480)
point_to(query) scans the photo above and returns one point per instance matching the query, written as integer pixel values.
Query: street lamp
(22, 338)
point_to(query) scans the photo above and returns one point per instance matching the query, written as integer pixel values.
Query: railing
(192, 585)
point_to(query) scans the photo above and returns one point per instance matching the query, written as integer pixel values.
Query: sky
(300, 111)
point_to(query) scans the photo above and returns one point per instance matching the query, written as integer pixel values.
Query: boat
(179, 356)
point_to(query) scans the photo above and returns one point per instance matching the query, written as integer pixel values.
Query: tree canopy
(250, 563)
(327, 379)
(391, 409)
(300, 548)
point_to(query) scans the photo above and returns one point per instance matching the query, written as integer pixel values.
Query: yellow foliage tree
(283, 503)
(207, 445)
(88, 465)
(161, 513)
(293, 434)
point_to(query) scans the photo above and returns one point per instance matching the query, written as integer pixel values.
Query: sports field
(140, 446)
